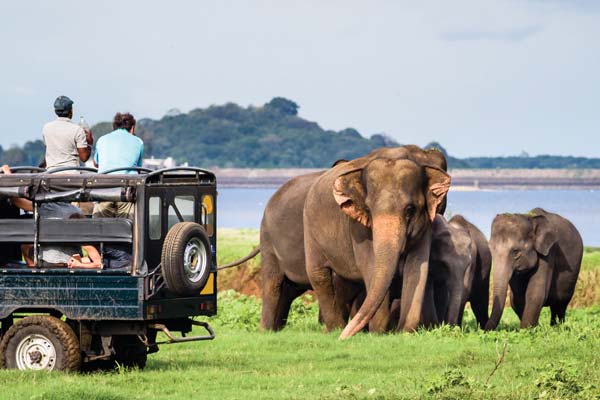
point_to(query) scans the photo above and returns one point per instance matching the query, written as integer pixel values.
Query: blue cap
(63, 103)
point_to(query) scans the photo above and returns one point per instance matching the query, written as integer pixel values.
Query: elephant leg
(272, 286)
(558, 314)
(357, 302)
(429, 317)
(346, 292)
(394, 314)
(321, 279)
(479, 300)
(414, 282)
(289, 293)
(380, 321)
(440, 298)
(535, 296)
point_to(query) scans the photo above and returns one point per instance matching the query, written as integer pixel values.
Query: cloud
(512, 35)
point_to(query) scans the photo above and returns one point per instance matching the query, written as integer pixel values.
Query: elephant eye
(410, 211)
(515, 253)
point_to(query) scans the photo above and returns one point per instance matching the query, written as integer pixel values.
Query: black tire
(179, 279)
(130, 351)
(40, 342)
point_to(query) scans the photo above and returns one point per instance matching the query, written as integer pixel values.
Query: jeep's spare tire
(186, 258)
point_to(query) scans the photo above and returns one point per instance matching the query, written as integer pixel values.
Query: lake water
(243, 208)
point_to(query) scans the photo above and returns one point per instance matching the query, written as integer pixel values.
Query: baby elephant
(460, 270)
(539, 255)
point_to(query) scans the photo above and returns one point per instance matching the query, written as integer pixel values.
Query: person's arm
(95, 261)
(141, 158)
(84, 153)
(23, 204)
(84, 141)
(96, 158)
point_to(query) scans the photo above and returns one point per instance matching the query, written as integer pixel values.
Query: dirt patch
(244, 279)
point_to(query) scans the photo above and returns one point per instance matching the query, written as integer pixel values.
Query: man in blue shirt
(118, 149)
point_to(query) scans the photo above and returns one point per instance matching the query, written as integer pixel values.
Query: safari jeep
(59, 318)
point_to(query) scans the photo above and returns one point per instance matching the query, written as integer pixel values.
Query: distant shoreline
(462, 179)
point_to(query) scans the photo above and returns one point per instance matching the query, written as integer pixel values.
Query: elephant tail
(242, 260)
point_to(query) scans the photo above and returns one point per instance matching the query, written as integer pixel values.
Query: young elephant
(460, 270)
(539, 255)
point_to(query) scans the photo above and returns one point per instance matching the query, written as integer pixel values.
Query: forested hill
(271, 136)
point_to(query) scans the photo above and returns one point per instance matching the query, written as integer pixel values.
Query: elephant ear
(438, 184)
(350, 194)
(544, 236)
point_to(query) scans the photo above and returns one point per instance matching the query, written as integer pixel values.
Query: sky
(481, 77)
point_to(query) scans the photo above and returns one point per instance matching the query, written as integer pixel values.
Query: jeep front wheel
(40, 342)
(186, 258)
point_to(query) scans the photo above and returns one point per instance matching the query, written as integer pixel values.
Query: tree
(437, 146)
(283, 106)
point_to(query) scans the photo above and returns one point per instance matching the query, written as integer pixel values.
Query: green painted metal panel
(86, 296)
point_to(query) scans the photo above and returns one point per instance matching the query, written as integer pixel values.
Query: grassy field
(302, 362)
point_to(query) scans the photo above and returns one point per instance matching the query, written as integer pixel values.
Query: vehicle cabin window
(154, 208)
(183, 210)
(208, 214)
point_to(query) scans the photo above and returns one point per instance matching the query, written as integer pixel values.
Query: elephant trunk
(389, 241)
(502, 274)
(455, 303)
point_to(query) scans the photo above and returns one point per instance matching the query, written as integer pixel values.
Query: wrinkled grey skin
(283, 268)
(460, 264)
(539, 256)
(377, 222)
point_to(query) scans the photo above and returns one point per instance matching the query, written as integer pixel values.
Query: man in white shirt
(66, 143)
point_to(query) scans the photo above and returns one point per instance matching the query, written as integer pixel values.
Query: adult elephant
(539, 255)
(283, 269)
(365, 220)
(460, 270)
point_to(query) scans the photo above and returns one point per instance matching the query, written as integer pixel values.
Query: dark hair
(63, 106)
(123, 121)
(64, 113)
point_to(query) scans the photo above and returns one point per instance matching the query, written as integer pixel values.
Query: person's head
(63, 107)
(124, 121)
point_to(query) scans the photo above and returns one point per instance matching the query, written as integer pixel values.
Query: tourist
(66, 142)
(118, 149)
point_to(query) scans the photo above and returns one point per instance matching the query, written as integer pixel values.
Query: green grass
(591, 259)
(235, 243)
(302, 362)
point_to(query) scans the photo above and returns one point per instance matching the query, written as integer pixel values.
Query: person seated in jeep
(116, 256)
(70, 256)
